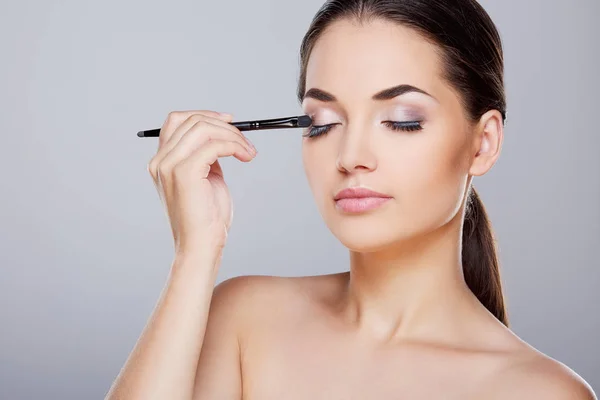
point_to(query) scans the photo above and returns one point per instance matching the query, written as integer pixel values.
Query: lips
(359, 193)
(357, 200)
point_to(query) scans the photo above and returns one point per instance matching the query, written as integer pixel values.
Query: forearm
(163, 362)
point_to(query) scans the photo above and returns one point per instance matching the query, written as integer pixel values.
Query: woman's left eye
(408, 126)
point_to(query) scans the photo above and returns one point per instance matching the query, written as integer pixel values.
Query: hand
(189, 179)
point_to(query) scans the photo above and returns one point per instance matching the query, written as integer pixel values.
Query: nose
(355, 150)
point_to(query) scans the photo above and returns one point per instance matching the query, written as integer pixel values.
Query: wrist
(203, 260)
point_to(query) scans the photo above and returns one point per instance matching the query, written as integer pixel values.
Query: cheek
(427, 174)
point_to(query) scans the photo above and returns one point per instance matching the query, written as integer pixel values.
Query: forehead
(350, 58)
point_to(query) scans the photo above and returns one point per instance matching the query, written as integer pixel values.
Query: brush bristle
(304, 121)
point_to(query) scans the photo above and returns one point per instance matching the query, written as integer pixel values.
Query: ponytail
(479, 258)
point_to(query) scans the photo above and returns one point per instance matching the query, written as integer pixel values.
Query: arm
(163, 362)
(190, 182)
(218, 375)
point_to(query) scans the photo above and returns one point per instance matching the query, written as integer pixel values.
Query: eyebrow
(385, 94)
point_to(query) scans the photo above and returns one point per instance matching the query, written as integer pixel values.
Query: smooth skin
(401, 324)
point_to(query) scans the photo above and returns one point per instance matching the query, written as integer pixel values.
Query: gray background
(84, 242)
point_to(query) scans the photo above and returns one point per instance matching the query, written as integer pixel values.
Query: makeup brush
(301, 121)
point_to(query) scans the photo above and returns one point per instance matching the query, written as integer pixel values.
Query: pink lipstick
(359, 199)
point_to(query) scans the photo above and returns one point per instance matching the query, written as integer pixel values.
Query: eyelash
(407, 126)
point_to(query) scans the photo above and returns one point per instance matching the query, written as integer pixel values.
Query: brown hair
(473, 62)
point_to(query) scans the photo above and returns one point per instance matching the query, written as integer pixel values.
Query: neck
(412, 289)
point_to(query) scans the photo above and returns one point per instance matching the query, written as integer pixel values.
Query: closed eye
(317, 130)
(407, 126)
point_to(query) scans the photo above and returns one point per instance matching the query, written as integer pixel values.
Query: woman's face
(424, 171)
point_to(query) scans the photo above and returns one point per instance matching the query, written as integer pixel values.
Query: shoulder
(252, 298)
(240, 310)
(238, 295)
(248, 289)
(269, 286)
(533, 375)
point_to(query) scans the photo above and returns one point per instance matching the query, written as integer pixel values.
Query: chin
(366, 235)
(378, 231)
(359, 245)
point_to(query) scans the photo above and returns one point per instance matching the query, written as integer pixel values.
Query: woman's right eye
(317, 130)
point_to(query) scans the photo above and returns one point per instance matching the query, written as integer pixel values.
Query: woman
(408, 105)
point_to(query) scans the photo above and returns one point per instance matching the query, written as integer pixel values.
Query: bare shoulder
(268, 287)
(534, 375)
(251, 299)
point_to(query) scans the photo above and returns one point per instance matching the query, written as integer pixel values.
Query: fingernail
(224, 114)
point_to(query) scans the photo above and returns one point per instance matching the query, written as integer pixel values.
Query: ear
(487, 142)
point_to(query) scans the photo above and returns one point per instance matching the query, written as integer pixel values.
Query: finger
(200, 134)
(186, 126)
(198, 164)
(191, 121)
(176, 118)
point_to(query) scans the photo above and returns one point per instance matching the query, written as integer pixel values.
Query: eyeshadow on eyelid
(406, 114)
(323, 117)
